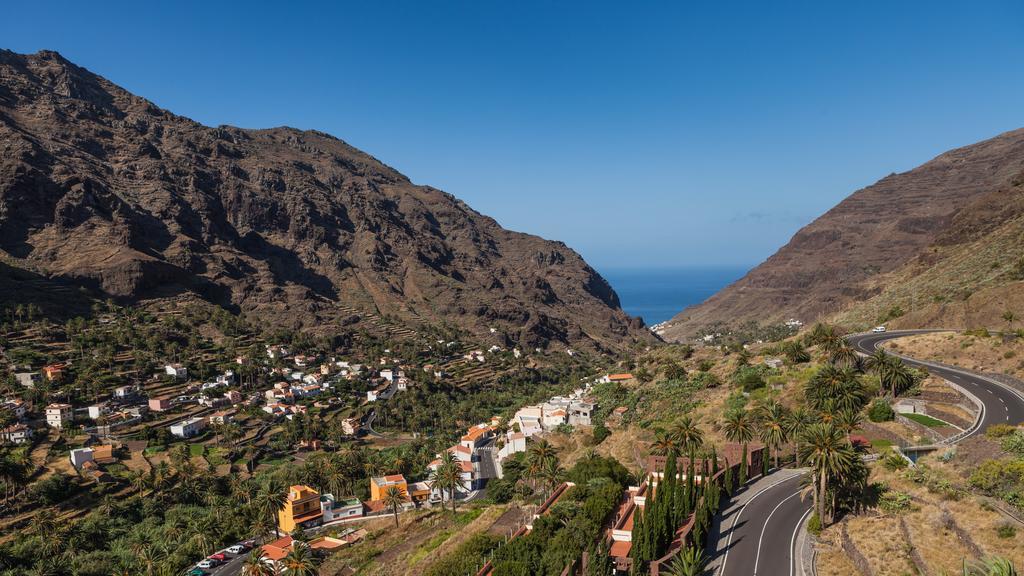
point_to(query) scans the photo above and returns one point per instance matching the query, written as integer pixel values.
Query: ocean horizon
(658, 294)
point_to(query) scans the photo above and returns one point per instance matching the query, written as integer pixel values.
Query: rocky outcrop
(103, 187)
(895, 244)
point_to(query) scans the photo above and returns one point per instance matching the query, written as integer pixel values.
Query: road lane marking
(760, 539)
(736, 519)
(792, 544)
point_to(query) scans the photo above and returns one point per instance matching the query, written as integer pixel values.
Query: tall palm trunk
(821, 499)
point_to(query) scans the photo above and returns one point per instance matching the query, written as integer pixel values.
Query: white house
(98, 410)
(80, 456)
(122, 392)
(515, 442)
(580, 412)
(15, 406)
(58, 414)
(339, 509)
(554, 418)
(188, 428)
(388, 375)
(28, 379)
(177, 370)
(15, 434)
(476, 436)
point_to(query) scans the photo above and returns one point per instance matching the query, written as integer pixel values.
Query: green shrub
(999, 477)
(894, 502)
(1000, 430)
(814, 524)
(466, 558)
(749, 378)
(601, 432)
(880, 411)
(1014, 443)
(705, 380)
(1006, 530)
(894, 461)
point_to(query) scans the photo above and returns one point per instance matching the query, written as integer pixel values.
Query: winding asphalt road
(757, 533)
(1002, 404)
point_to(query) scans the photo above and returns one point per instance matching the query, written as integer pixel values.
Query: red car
(219, 557)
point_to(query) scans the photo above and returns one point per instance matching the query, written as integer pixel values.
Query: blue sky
(640, 133)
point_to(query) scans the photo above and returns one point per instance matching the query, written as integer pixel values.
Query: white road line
(760, 538)
(736, 519)
(792, 544)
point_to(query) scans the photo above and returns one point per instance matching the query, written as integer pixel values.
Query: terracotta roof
(620, 549)
(475, 432)
(623, 376)
(277, 549)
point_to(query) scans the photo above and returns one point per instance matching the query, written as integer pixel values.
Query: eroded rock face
(844, 256)
(102, 186)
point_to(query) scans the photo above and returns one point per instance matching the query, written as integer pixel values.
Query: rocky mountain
(914, 248)
(103, 188)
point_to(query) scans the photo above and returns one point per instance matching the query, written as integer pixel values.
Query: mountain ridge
(104, 187)
(842, 258)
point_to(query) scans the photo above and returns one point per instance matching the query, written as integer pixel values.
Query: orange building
(380, 484)
(301, 509)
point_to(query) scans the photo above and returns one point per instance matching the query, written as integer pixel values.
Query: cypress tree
(727, 476)
(639, 536)
(743, 466)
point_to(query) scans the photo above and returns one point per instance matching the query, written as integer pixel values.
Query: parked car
(249, 543)
(237, 549)
(878, 329)
(219, 557)
(207, 563)
(197, 572)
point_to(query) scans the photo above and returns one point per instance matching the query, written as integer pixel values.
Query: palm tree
(848, 420)
(688, 437)
(270, 501)
(799, 420)
(1009, 316)
(254, 564)
(891, 371)
(552, 473)
(538, 453)
(663, 443)
(300, 560)
(690, 561)
(739, 427)
(830, 456)
(448, 476)
(845, 357)
(773, 419)
(994, 566)
(394, 498)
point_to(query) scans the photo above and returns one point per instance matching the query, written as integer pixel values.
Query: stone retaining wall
(856, 558)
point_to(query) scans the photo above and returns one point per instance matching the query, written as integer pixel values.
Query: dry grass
(879, 539)
(977, 353)
(938, 546)
(833, 561)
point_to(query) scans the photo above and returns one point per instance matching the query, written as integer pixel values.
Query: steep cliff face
(103, 187)
(856, 251)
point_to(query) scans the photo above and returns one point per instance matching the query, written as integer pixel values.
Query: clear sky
(640, 133)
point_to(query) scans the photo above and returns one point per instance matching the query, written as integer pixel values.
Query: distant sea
(657, 294)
